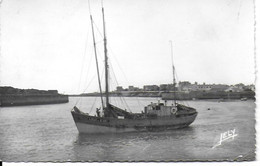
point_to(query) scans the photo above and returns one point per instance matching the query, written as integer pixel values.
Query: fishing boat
(112, 119)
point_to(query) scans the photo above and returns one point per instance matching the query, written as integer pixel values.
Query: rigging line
(86, 89)
(112, 69)
(77, 101)
(141, 105)
(102, 74)
(100, 41)
(111, 66)
(120, 101)
(89, 83)
(114, 56)
(97, 42)
(99, 55)
(95, 50)
(82, 66)
(125, 103)
(115, 101)
(127, 106)
(121, 69)
(121, 98)
(99, 32)
(111, 54)
(113, 73)
(114, 82)
(88, 69)
(91, 109)
(84, 58)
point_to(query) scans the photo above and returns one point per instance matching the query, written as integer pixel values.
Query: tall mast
(95, 49)
(106, 60)
(173, 72)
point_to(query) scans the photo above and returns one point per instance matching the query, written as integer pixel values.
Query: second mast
(106, 61)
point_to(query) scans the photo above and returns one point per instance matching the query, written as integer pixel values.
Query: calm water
(48, 133)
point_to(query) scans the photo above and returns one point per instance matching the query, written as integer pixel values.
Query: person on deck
(98, 112)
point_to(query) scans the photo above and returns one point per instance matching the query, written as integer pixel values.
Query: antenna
(171, 51)
(173, 73)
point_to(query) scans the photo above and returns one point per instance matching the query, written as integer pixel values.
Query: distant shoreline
(196, 95)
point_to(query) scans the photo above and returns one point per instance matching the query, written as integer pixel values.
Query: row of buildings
(188, 87)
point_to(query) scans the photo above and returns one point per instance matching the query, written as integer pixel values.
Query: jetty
(10, 96)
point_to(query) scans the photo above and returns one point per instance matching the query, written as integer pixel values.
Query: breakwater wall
(10, 96)
(19, 100)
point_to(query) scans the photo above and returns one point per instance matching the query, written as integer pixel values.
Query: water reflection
(85, 139)
(135, 146)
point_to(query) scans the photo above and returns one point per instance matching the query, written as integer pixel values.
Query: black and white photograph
(128, 81)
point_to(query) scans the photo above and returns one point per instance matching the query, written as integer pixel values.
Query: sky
(47, 44)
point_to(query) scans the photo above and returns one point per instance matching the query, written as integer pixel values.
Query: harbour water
(48, 133)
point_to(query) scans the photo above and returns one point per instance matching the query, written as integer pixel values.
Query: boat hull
(92, 124)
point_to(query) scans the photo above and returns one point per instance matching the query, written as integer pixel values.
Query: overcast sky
(47, 44)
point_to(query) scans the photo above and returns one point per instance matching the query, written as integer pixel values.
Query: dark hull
(92, 124)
